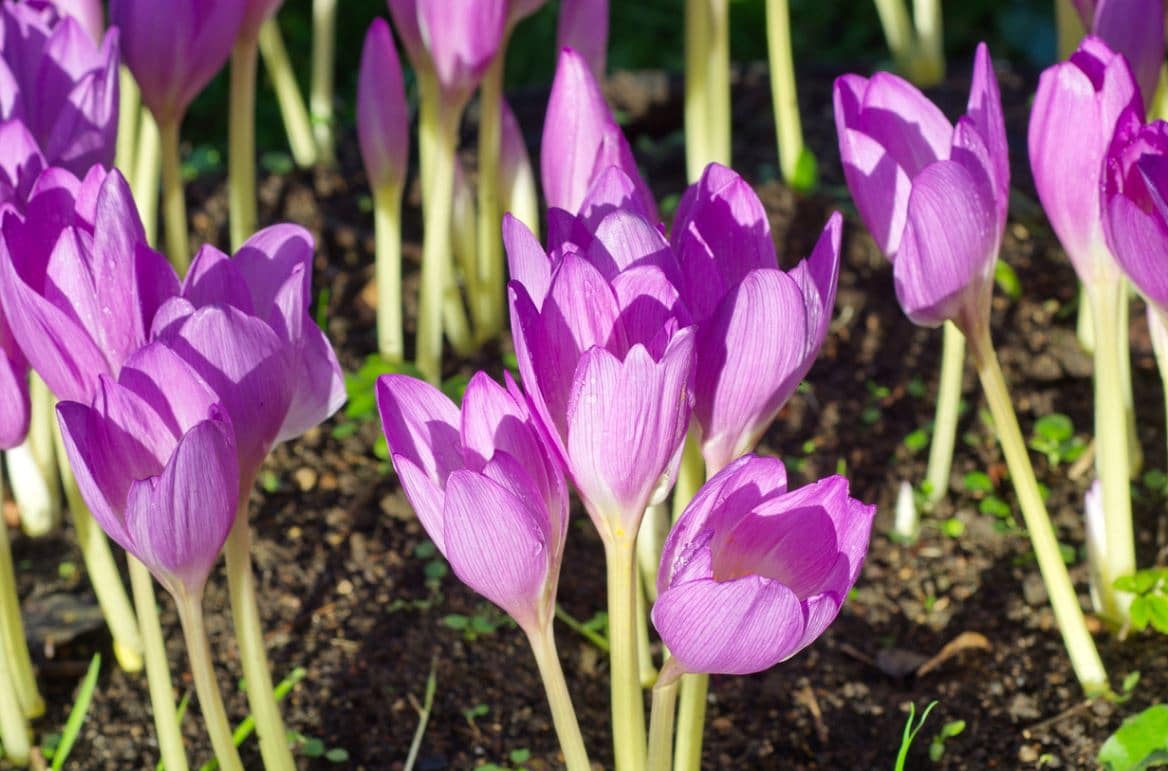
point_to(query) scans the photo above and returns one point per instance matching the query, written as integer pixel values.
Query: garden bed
(352, 593)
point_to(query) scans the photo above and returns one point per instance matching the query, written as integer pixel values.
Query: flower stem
(464, 251)
(930, 42)
(1069, 28)
(13, 645)
(628, 706)
(103, 571)
(1158, 327)
(543, 645)
(129, 103)
(1065, 603)
(1085, 320)
(174, 204)
(147, 167)
(650, 543)
(898, 32)
(691, 722)
(296, 121)
(438, 137)
(647, 671)
(1111, 441)
(696, 96)
(718, 82)
(190, 614)
(43, 455)
(250, 638)
(1135, 453)
(14, 734)
(690, 476)
(661, 718)
(31, 488)
(488, 304)
(691, 717)
(387, 231)
(158, 679)
(320, 98)
(945, 419)
(241, 160)
(785, 99)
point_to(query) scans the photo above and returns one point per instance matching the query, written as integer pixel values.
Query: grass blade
(77, 713)
(246, 726)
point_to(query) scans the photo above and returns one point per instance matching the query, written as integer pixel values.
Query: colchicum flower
(606, 349)
(485, 487)
(494, 501)
(581, 140)
(932, 194)
(20, 165)
(583, 27)
(752, 573)
(1071, 125)
(1135, 209)
(78, 284)
(88, 13)
(243, 324)
(60, 84)
(154, 457)
(175, 47)
(732, 286)
(383, 115)
(1134, 28)
(453, 39)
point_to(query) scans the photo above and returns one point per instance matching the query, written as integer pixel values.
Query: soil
(352, 593)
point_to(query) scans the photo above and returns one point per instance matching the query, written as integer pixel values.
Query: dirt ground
(352, 592)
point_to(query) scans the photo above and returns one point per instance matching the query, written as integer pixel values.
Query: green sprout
(948, 731)
(1054, 437)
(486, 621)
(912, 727)
(1150, 605)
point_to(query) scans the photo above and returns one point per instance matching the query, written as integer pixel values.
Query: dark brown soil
(343, 568)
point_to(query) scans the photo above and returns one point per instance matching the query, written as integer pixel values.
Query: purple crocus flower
(606, 349)
(583, 27)
(752, 573)
(175, 47)
(484, 486)
(932, 194)
(1134, 28)
(60, 84)
(383, 115)
(1071, 125)
(454, 39)
(78, 284)
(1135, 212)
(243, 324)
(88, 13)
(154, 457)
(732, 286)
(14, 404)
(581, 139)
(21, 163)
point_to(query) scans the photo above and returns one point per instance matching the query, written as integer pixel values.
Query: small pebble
(305, 478)
(1034, 591)
(345, 587)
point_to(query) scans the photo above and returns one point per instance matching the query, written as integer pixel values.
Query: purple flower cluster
(625, 339)
(172, 394)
